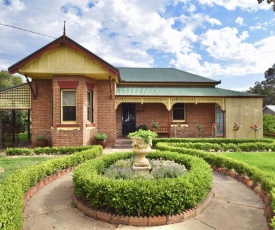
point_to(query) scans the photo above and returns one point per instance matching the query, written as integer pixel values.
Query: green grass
(265, 161)
(23, 136)
(11, 164)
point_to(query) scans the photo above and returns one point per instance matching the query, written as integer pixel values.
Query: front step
(123, 143)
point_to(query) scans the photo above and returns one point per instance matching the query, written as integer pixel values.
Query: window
(178, 112)
(90, 117)
(68, 106)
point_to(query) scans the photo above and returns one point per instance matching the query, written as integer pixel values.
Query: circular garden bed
(142, 197)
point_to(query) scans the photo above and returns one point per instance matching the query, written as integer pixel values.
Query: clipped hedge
(18, 151)
(267, 181)
(46, 150)
(13, 188)
(244, 147)
(144, 197)
(211, 140)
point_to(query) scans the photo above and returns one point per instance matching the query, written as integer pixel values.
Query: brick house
(75, 93)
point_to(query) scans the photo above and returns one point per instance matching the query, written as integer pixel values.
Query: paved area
(235, 206)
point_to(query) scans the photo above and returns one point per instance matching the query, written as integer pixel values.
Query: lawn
(11, 164)
(262, 160)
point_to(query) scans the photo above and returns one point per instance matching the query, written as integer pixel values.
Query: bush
(60, 150)
(267, 181)
(13, 188)
(18, 151)
(268, 124)
(144, 197)
(210, 140)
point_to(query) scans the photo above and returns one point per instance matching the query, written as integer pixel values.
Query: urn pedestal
(141, 149)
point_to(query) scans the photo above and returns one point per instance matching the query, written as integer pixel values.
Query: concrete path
(234, 207)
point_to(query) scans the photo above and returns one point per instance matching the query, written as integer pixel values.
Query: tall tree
(268, 1)
(266, 88)
(7, 80)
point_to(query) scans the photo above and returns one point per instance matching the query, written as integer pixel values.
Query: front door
(128, 118)
(219, 122)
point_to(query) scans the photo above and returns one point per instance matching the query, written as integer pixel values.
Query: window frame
(90, 106)
(184, 113)
(61, 105)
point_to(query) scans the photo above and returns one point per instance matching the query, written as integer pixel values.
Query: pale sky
(230, 40)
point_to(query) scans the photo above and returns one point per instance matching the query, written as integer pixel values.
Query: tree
(7, 80)
(269, 124)
(268, 1)
(266, 88)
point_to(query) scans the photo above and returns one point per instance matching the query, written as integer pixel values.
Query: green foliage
(143, 127)
(227, 147)
(40, 138)
(267, 180)
(143, 197)
(10, 165)
(210, 140)
(7, 80)
(266, 87)
(101, 136)
(18, 151)
(166, 169)
(60, 150)
(147, 135)
(268, 124)
(13, 188)
(123, 169)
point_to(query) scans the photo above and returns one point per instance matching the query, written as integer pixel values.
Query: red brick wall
(203, 114)
(106, 113)
(41, 113)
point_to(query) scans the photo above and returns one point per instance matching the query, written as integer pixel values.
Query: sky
(227, 40)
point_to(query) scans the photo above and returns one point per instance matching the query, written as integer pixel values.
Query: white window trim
(61, 105)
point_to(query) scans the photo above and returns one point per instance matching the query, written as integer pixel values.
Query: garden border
(157, 220)
(256, 187)
(144, 221)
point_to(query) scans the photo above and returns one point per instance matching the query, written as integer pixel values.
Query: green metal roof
(160, 75)
(180, 91)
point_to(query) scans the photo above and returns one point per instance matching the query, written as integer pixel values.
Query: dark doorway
(128, 118)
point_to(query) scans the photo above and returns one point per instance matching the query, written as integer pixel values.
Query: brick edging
(144, 221)
(44, 182)
(256, 187)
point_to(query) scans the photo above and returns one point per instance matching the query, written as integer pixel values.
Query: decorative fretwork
(16, 98)
(170, 101)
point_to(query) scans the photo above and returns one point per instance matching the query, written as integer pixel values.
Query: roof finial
(64, 30)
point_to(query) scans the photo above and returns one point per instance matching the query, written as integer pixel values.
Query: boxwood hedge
(211, 140)
(13, 188)
(144, 197)
(267, 181)
(244, 147)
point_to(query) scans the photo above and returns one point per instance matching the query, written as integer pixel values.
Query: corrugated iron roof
(160, 75)
(180, 91)
(271, 107)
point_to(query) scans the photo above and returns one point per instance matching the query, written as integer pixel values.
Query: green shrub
(60, 150)
(13, 188)
(268, 124)
(18, 151)
(267, 181)
(145, 197)
(211, 140)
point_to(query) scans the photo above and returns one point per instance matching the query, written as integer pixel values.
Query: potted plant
(155, 125)
(101, 139)
(41, 141)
